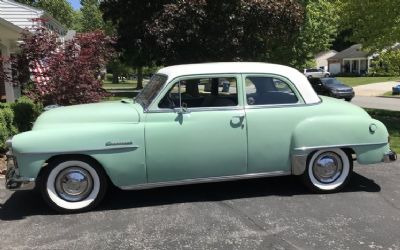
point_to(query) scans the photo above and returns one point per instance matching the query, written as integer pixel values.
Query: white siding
(322, 59)
(18, 14)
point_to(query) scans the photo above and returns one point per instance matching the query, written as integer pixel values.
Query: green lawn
(392, 121)
(124, 84)
(354, 81)
(390, 94)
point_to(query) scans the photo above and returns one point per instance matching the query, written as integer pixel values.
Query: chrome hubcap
(74, 184)
(327, 167)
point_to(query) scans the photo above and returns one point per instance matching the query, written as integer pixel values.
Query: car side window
(202, 92)
(261, 90)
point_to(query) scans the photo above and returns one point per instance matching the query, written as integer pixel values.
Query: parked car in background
(269, 122)
(332, 87)
(316, 73)
(396, 90)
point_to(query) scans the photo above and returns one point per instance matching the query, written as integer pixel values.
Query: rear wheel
(73, 185)
(328, 170)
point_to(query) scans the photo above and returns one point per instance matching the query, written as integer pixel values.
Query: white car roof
(292, 74)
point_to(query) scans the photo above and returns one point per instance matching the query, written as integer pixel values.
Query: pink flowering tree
(63, 73)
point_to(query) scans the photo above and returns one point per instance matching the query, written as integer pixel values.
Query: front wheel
(328, 170)
(73, 185)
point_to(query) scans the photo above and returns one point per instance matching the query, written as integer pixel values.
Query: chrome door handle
(237, 119)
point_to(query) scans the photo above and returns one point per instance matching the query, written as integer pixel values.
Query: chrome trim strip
(84, 150)
(205, 180)
(190, 110)
(339, 146)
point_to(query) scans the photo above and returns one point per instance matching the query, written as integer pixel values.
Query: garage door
(334, 68)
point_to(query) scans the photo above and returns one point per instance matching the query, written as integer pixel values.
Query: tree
(186, 31)
(375, 24)
(130, 19)
(91, 18)
(199, 30)
(66, 73)
(316, 34)
(61, 10)
(387, 63)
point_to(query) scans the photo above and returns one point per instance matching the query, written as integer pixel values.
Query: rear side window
(268, 90)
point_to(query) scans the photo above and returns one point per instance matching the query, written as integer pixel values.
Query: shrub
(70, 70)
(25, 113)
(7, 128)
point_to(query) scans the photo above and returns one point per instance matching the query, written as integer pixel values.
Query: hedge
(17, 117)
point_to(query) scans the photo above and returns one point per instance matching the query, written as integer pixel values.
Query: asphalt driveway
(274, 213)
(377, 102)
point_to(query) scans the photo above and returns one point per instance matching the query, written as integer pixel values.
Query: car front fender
(118, 147)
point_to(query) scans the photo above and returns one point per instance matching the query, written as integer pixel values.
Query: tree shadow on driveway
(23, 204)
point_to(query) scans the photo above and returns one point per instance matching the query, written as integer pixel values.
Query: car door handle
(237, 119)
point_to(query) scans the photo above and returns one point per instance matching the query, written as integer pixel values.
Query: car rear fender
(368, 138)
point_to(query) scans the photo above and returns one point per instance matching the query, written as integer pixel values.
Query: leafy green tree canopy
(375, 24)
(91, 18)
(185, 31)
(317, 33)
(211, 30)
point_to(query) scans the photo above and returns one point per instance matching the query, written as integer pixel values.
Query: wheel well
(75, 156)
(349, 152)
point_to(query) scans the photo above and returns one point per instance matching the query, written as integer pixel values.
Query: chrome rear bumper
(13, 180)
(389, 157)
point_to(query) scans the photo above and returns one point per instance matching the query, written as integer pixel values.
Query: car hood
(104, 112)
(340, 87)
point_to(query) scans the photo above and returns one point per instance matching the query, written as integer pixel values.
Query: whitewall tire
(328, 170)
(73, 185)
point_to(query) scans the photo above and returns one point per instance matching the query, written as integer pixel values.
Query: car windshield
(330, 81)
(151, 90)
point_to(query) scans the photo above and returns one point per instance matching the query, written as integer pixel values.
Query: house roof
(323, 53)
(354, 51)
(23, 16)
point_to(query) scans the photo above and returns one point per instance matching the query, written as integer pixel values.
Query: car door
(273, 109)
(203, 136)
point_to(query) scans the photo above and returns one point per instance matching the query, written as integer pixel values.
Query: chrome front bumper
(389, 157)
(13, 180)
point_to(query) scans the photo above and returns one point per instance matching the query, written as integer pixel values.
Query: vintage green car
(192, 124)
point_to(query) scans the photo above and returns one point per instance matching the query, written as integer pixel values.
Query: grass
(125, 84)
(392, 121)
(355, 81)
(390, 94)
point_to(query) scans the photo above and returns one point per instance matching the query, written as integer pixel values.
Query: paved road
(377, 102)
(274, 213)
(374, 89)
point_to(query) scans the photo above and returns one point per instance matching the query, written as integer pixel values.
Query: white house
(15, 18)
(321, 59)
(352, 60)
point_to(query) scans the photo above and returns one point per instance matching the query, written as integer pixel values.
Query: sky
(75, 4)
